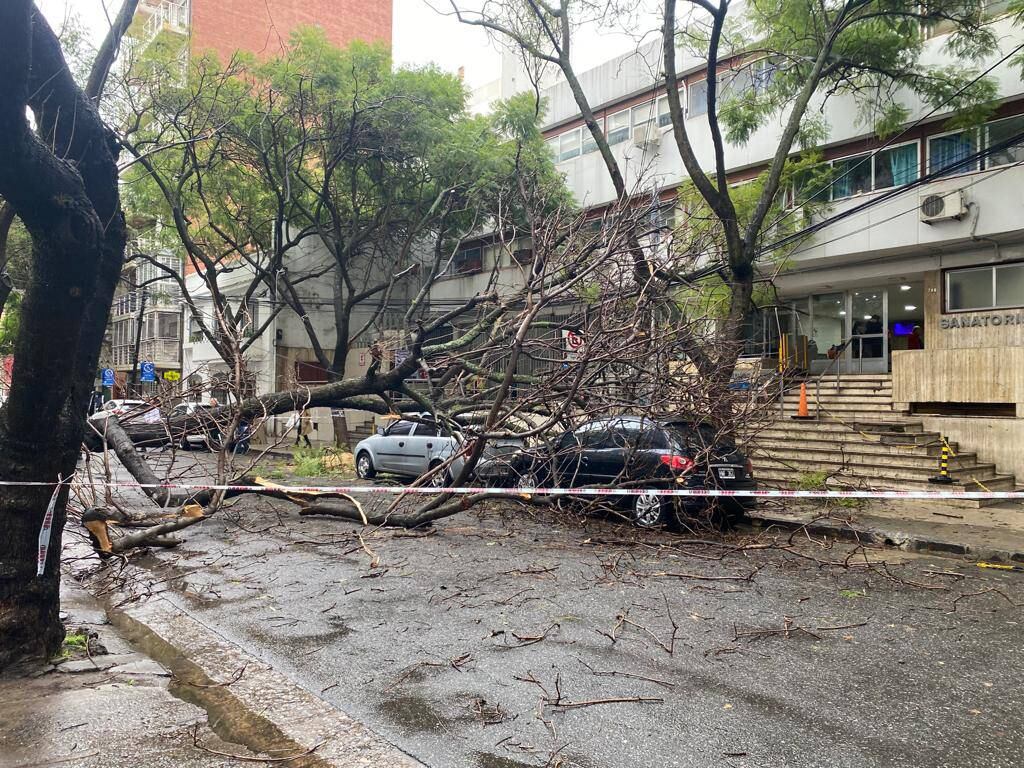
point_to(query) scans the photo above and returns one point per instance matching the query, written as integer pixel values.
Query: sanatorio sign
(993, 320)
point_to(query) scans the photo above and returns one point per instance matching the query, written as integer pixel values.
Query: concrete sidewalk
(988, 534)
(103, 705)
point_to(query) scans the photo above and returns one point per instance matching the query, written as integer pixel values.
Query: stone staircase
(860, 441)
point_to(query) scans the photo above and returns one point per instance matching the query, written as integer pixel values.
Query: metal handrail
(817, 383)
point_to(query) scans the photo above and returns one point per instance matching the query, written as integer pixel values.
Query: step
(842, 386)
(858, 378)
(843, 407)
(829, 395)
(852, 419)
(849, 403)
(789, 479)
(842, 404)
(927, 443)
(899, 454)
(898, 430)
(872, 472)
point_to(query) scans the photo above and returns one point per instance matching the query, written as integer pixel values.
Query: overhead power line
(896, 192)
(890, 141)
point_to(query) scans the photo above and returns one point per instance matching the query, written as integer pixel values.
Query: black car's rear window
(702, 437)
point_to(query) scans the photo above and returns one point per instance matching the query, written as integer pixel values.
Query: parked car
(117, 407)
(409, 448)
(633, 451)
(206, 436)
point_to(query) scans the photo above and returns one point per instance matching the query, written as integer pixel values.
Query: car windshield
(502, 448)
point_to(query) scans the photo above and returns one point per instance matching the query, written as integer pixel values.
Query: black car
(639, 452)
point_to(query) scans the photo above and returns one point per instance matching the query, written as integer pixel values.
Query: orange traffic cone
(801, 411)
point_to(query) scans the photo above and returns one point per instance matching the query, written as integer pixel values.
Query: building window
(697, 101)
(852, 176)
(589, 145)
(522, 256)
(887, 168)
(569, 145)
(947, 154)
(169, 323)
(1000, 286)
(618, 127)
(1000, 132)
(553, 148)
(249, 322)
(195, 330)
(895, 166)
(762, 74)
(642, 117)
(468, 261)
(664, 113)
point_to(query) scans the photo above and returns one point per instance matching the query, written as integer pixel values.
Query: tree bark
(62, 184)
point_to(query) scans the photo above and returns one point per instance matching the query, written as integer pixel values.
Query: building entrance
(855, 331)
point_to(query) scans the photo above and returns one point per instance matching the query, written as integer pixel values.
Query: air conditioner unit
(944, 206)
(645, 136)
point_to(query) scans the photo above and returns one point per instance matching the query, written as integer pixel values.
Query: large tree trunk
(63, 186)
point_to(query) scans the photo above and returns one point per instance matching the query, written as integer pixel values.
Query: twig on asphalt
(523, 640)
(631, 676)
(250, 759)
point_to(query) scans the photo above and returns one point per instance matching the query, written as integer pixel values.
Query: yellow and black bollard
(943, 477)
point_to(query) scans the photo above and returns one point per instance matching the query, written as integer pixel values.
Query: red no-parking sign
(573, 343)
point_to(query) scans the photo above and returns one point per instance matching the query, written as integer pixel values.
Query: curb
(246, 700)
(892, 535)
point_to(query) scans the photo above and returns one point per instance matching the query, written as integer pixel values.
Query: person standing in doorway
(914, 340)
(874, 327)
(300, 423)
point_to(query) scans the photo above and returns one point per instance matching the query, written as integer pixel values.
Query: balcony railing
(171, 15)
(163, 352)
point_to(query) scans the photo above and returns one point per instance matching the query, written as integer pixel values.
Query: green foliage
(75, 640)
(10, 321)
(338, 144)
(876, 58)
(812, 481)
(309, 462)
(804, 177)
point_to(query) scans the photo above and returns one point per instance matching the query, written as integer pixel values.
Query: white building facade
(926, 283)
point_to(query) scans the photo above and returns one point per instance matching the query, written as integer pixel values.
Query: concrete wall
(998, 441)
(976, 364)
(981, 375)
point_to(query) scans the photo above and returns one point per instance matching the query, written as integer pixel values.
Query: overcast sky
(421, 36)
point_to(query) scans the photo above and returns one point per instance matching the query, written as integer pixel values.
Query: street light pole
(138, 342)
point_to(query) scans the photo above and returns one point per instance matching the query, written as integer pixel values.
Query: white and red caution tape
(867, 493)
(46, 530)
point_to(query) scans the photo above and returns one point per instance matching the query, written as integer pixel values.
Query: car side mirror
(380, 431)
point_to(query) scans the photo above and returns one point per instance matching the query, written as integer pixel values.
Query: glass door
(826, 328)
(867, 321)
(860, 317)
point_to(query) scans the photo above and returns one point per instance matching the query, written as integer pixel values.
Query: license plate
(727, 473)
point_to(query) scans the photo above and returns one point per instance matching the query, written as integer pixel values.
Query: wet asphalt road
(488, 642)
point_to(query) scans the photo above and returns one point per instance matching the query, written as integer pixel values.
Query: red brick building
(262, 26)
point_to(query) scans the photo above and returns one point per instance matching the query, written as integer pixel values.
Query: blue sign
(148, 371)
(107, 377)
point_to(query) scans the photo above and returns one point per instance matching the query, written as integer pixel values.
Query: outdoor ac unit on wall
(944, 206)
(646, 136)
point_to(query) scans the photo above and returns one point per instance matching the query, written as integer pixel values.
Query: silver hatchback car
(410, 448)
